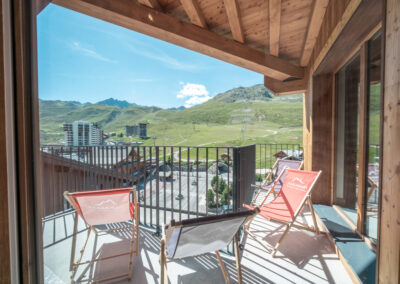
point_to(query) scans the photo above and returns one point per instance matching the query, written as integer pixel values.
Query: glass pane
(347, 88)
(374, 118)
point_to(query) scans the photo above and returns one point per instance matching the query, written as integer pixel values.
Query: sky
(84, 59)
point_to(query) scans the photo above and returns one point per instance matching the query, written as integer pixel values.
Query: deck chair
(289, 202)
(101, 207)
(272, 177)
(194, 237)
(373, 179)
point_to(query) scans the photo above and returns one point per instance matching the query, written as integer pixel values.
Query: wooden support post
(313, 215)
(237, 254)
(73, 247)
(389, 236)
(221, 264)
(163, 264)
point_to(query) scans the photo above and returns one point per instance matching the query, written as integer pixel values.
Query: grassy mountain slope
(236, 117)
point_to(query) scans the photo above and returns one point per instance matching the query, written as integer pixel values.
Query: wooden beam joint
(235, 23)
(282, 88)
(194, 13)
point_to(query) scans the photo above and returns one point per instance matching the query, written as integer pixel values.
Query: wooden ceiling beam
(280, 88)
(151, 3)
(194, 13)
(233, 12)
(274, 26)
(128, 14)
(41, 4)
(317, 16)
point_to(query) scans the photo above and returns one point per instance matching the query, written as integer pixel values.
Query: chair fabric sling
(273, 176)
(102, 207)
(285, 207)
(194, 237)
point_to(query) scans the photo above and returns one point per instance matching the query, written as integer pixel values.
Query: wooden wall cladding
(337, 14)
(322, 142)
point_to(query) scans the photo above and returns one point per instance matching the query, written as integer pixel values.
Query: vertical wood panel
(389, 239)
(322, 99)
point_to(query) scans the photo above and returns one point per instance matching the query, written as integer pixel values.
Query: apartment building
(82, 133)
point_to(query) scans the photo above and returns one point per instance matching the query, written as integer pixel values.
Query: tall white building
(82, 133)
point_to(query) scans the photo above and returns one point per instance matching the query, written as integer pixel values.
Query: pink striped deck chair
(101, 207)
(289, 202)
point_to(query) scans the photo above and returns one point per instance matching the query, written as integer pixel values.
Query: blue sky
(85, 59)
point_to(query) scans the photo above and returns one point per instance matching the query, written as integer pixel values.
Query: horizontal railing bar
(174, 210)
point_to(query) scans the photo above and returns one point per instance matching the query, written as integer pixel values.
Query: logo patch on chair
(111, 208)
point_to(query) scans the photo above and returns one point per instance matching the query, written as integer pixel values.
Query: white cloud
(90, 52)
(196, 93)
(190, 90)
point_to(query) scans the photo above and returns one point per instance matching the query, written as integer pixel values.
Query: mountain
(117, 103)
(176, 108)
(220, 119)
(253, 93)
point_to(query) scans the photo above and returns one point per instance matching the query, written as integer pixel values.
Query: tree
(221, 184)
(121, 135)
(210, 198)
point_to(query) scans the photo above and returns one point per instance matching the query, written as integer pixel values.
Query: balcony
(303, 257)
(173, 182)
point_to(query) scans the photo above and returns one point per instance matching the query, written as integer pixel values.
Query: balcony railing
(174, 182)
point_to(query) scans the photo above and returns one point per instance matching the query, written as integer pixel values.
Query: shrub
(259, 177)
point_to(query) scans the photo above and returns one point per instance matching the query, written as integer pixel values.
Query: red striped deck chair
(289, 202)
(272, 177)
(193, 237)
(101, 207)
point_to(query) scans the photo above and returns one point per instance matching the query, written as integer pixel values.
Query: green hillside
(236, 117)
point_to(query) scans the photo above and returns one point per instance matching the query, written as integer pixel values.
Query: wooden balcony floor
(303, 258)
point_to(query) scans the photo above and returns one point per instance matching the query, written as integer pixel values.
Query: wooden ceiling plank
(151, 3)
(274, 26)
(317, 16)
(194, 13)
(142, 19)
(235, 22)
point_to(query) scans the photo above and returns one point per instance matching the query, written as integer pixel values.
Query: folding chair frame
(262, 186)
(135, 236)
(163, 256)
(299, 225)
(373, 187)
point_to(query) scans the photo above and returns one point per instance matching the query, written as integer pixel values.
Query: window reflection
(374, 118)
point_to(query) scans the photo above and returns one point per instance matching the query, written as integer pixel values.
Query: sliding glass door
(358, 136)
(347, 104)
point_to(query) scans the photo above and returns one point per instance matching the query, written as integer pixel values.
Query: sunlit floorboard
(303, 257)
